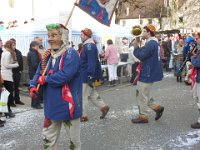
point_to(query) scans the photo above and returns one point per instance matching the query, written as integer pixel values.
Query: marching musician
(150, 72)
(195, 60)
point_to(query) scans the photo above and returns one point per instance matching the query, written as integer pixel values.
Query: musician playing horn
(150, 72)
(195, 60)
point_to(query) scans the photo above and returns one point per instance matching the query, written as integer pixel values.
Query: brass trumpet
(136, 30)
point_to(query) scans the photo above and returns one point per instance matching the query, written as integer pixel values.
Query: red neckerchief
(138, 70)
(80, 51)
(193, 75)
(66, 92)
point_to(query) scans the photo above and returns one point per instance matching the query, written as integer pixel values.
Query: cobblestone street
(116, 132)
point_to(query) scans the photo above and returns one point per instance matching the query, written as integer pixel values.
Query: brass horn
(136, 30)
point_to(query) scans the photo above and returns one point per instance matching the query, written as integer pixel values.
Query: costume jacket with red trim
(195, 60)
(150, 56)
(90, 65)
(55, 107)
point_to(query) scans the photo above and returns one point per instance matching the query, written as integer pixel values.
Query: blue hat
(189, 39)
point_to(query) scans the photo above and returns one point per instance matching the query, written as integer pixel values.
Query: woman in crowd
(178, 60)
(111, 55)
(8, 62)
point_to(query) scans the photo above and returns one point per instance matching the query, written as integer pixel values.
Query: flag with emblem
(101, 10)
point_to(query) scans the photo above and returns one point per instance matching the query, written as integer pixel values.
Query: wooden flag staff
(43, 73)
(75, 4)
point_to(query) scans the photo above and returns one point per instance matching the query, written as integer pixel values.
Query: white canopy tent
(26, 33)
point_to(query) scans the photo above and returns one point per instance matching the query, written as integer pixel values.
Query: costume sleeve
(145, 52)
(91, 52)
(71, 65)
(196, 61)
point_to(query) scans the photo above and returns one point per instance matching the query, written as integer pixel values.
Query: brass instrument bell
(136, 30)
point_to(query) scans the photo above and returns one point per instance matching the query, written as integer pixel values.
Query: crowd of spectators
(12, 24)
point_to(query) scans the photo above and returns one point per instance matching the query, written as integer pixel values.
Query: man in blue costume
(195, 60)
(150, 72)
(62, 89)
(90, 71)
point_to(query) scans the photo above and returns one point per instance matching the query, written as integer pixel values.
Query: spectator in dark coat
(17, 75)
(1, 46)
(34, 58)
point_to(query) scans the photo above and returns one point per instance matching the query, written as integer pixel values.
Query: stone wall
(25, 76)
(185, 14)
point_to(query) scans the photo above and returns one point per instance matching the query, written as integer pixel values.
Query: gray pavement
(116, 132)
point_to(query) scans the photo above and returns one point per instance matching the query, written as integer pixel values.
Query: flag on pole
(101, 10)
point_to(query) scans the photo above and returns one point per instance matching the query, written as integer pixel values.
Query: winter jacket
(55, 107)
(90, 65)
(150, 57)
(111, 54)
(196, 63)
(33, 62)
(20, 62)
(7, 64)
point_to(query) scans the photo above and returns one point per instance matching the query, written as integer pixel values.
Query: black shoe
(180, 79)
(13, 105)
(110, 83)
(159, 113)
(196, 125)
(1, 123)
(38, 107)
(104, 111)
(19, 103)
(9, 115)
(177, 79)
(114, 82)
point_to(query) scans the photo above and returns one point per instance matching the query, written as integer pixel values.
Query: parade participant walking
(151, 71)
(62, 89)
(195, 60)
(90, 71)
(17, 75)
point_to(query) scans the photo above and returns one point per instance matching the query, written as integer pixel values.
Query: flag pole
(71, 13)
